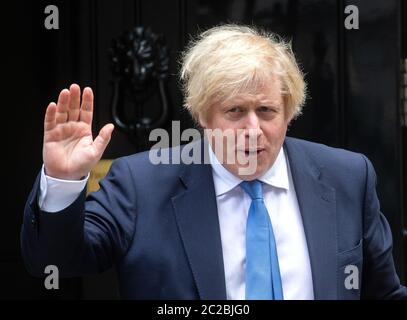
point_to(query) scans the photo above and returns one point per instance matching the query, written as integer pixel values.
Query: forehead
(262, 89)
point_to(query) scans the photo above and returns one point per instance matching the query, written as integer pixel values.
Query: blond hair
(228, 59)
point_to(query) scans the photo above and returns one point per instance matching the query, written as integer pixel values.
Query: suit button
(32, 219)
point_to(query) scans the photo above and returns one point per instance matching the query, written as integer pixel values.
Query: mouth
(256, 152)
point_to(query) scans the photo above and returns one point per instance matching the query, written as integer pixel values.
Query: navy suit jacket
(158, 225)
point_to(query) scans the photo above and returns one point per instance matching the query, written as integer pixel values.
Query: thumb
(102, 140)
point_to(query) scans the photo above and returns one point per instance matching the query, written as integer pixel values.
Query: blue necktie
(263, 281)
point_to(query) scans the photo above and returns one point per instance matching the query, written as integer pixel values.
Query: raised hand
(69, 151)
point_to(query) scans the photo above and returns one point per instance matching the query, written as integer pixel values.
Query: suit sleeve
(380, 280)
(88, 236)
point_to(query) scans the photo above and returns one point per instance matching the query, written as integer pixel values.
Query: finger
(86, 112)
(102, 140)
(62, 106)
(50, 119)
(74, 104)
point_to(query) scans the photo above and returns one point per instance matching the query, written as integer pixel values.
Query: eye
(236, 109)
(266, 109)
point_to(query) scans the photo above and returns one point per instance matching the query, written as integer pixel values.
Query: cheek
(216, 121)
(275, 132)
(275, 137)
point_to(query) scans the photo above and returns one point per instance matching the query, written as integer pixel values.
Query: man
(303, 222)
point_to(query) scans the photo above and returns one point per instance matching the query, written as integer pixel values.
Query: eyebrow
(244, 98)
(260, 102)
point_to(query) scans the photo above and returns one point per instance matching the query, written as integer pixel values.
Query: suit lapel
(316, 201)
(197, 218)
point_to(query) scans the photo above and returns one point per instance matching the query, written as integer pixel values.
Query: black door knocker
(140, 65)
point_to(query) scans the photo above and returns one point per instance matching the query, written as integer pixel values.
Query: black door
(354, 78)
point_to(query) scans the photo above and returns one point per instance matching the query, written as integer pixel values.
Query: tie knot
(253, 189)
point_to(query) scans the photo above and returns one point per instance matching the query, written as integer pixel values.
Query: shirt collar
(224, 180)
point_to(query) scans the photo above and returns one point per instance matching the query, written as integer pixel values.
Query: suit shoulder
(143, 166)
(328, 156)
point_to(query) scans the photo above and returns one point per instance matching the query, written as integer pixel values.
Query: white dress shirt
(233, 207)
(282, 205)
(56, 194)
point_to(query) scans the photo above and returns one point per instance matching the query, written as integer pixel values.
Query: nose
(252, 124)
(252, 120)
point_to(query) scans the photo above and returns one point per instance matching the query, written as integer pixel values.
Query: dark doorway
(354, 81)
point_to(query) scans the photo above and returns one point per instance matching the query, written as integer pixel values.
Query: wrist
(66, 177)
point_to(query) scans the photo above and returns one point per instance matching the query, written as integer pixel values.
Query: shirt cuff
(57, 194)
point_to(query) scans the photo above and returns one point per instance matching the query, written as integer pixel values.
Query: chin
(250, 177)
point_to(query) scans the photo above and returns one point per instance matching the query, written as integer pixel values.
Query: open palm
(69, 151)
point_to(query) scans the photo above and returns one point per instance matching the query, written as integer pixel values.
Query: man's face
(257, 123)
